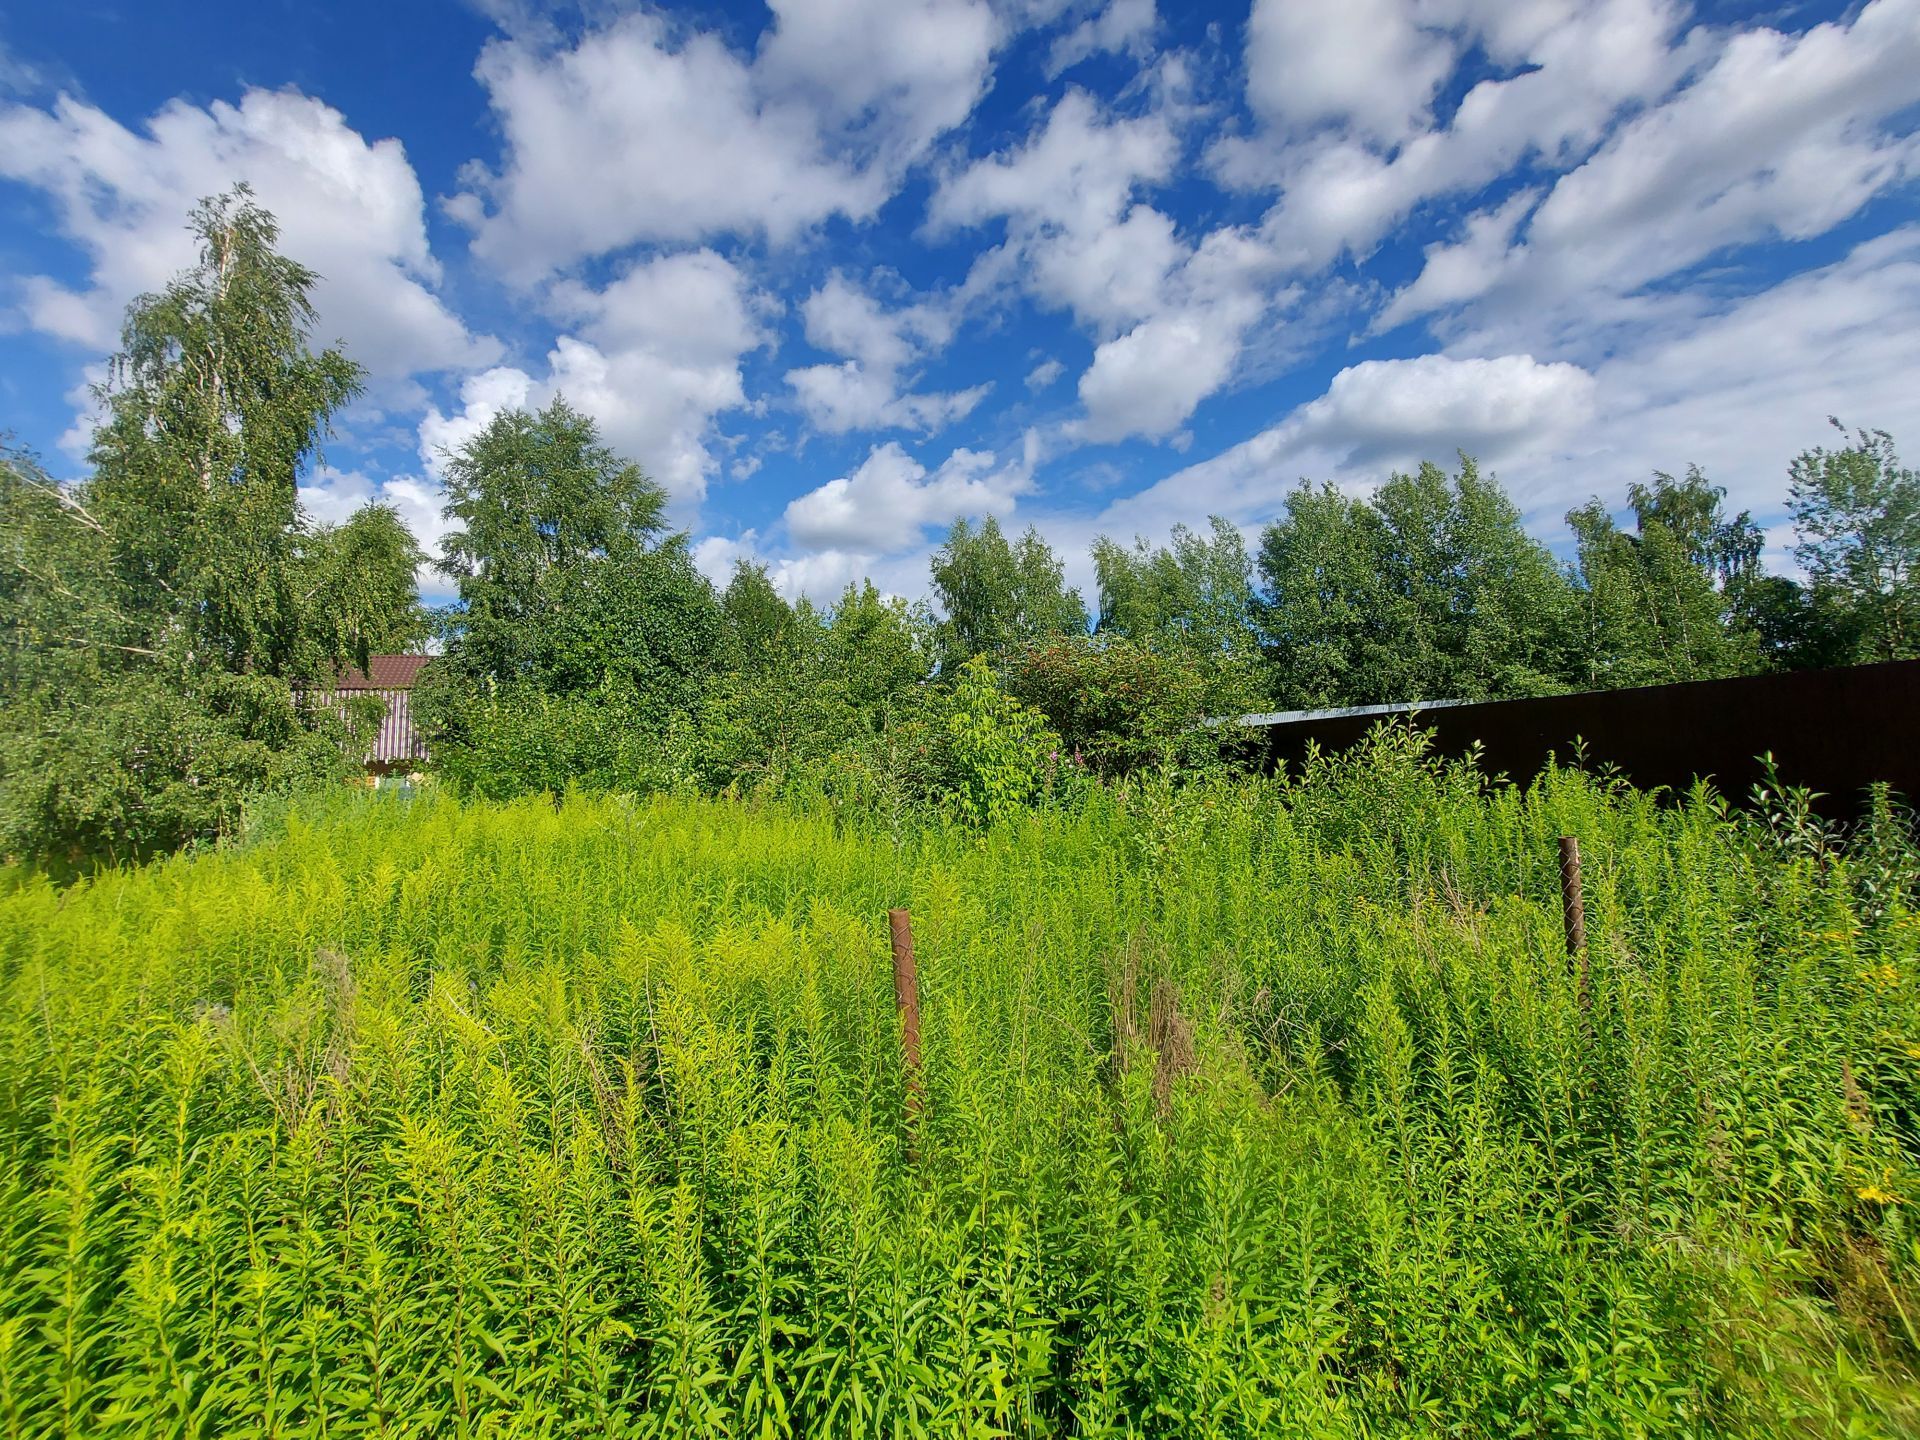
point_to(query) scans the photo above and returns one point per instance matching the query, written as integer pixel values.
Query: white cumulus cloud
(647, 131)
(867, 390)
(348, 208)
(886, 503)
(653, 358)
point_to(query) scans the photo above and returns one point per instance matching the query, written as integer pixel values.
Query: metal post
(906, 994)
(1573, 912)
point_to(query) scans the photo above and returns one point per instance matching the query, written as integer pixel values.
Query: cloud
(1465, 269)
(482, 397)
(653, 358)
(821, 576)
(349, 209)
(1743, 388)
(1373, 417)
(1044, 374)
(889, 75)
(1121, 26)
(842, 317)
(864, 392)
(1366, 65)
(1169, 316)
(643, 131)
(887, 503)
(1778, 136)
(1781, 135)
(1075, 176)
(845, 397)
(1148, 381)
(1738, 390)
(1404, 410)
(1576, 68)
(873, 523)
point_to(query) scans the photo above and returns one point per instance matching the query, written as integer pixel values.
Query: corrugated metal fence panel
(1836, 731)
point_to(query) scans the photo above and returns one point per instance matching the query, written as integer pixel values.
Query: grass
(1250, 1110)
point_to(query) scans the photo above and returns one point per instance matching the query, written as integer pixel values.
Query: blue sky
(839, 271)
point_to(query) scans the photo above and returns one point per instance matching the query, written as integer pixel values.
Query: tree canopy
(1857, 510)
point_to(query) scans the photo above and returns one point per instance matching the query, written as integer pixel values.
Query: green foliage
(998, 596)
(511, 740)
(584, 636)
(818, 699)
(1663, 604)
(1476, 608)
(213, 407)
(1121, 706)
(132, 767)
(546, 523)
(1857, 511)
(360, 589)
(161, 619)
(1322, 588)
(59, 611)
(1430, 590)
(1249, 1109)
(758, 629)
(1000, 754)
(1194, 594)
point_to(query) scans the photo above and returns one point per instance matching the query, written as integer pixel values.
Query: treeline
(174, 623)
(586, 648)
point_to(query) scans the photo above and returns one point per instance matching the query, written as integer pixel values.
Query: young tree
(1693, 510)
(1475, 607)
(878, 652)
(358, 584)
(1195, 593)
(1857, 511)
(998, 595)
(541, 510)
(1321, 570)
(1656, 605)
(1430, 590)
(580, 619)
(759, 629)
(167, 618)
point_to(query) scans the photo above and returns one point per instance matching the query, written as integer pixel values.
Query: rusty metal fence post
(1573, 914)
(906, 994)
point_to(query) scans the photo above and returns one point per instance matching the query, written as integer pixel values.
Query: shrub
(1124, 706)
(999, 755)
(508, 742)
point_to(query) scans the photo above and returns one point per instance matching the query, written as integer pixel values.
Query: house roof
(384, 672)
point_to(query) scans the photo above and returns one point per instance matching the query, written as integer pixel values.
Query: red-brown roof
(386, 672)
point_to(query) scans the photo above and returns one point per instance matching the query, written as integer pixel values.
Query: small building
(389, 678)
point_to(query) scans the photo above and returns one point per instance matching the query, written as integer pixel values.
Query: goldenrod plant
(1251, 1108)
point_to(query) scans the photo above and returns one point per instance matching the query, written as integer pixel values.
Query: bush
(508, 742)
(999, 755)
(136, 766)
(1124, 706)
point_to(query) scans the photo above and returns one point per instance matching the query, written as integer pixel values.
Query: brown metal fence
(1834, 731)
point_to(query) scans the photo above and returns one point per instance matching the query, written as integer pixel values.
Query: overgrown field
(1250, 1109)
